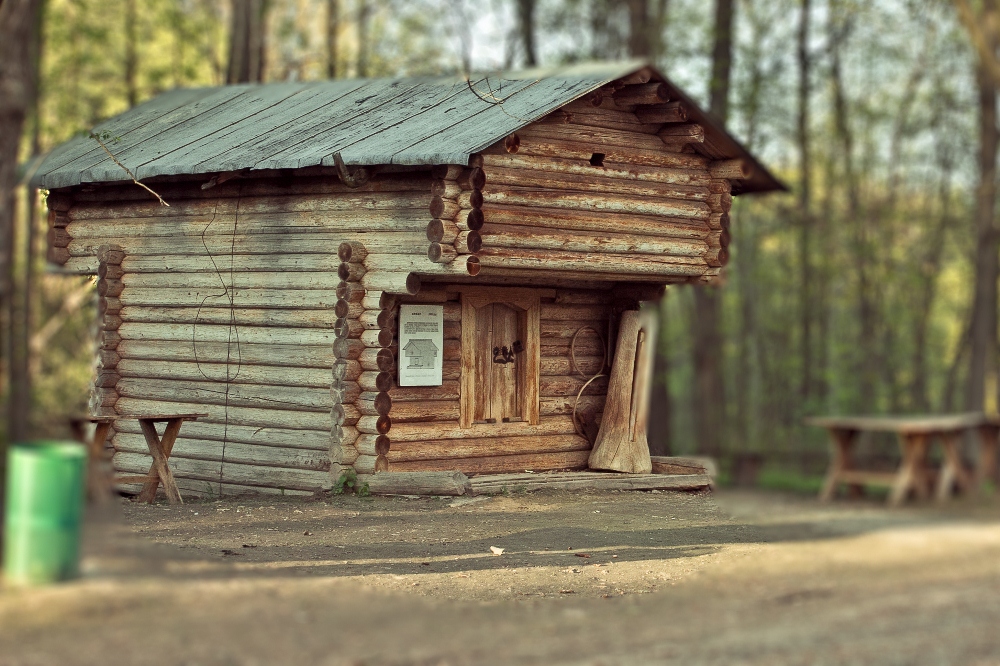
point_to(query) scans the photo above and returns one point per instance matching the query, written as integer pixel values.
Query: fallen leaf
(496, 551)
(249, 545)
(566, 592)
(587, 555)
(307, 533)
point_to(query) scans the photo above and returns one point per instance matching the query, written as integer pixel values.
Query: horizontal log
(738, 169)
(321, 267)
(415, 196)
(294, 398)
(622, 171)
(203, 429)
(374, 425)
(563, 366)
(410, 264)
(246, 475)
(234, 415)
(418, 412)
(446, 189)
(224, 280)
(293, 355)
(350, 292)
(643, 93)
(598, 138)
(594, 309)
(538, 462)
(617, 153)
(252, 244)
(379, 359)
(473, 447)
(597, 223)
(234, 335)
(418, 483)
(345, 370)
(235, 372)
(348, 349)
(377, 319)
(554, 387)
(681, 465)
(312, 299)
(425, 431)
(530, 238)
(234, 452)
(682, 134)
(396, 283)
(104, 399)
(614, 119)
(671, 112)
(592, 262)
(445, 209)
(378, 300)
(595, 183)
(442, 231)
(224, 316)
(548, 406)
(441, 254)
(448, 390)
(469, 242)
(535, 197)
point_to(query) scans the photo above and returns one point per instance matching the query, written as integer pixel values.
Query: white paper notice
(421, 345)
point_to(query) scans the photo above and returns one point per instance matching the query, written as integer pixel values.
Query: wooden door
(498, 335)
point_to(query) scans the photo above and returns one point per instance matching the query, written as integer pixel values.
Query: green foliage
(347, 484)
(778, 479)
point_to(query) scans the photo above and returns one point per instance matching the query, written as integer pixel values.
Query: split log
(644, 93)
(606, 223)
(418, 483)
(470, 448)
(622, 171)
(621, 441)
(661, 206)
(538, 462)
(594, 183)
(533, 238)
(673, 112)
(591, 262)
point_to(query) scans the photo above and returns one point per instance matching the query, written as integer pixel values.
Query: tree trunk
(983, 339)
(18, 80)
(710, 399)
(131, 52)
(639, 43)
(364, 15)
(332, 30)
(805, 218)
(246, 42)
(526, 30)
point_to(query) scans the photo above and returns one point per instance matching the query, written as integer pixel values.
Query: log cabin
(410, 274)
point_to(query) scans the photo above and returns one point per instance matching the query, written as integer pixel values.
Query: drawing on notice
(421, 343)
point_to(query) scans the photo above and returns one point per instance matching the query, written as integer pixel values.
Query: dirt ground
(589, 578)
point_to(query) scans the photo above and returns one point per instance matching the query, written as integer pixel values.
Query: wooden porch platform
(495, 484)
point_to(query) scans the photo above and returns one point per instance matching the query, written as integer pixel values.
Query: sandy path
(733, 578)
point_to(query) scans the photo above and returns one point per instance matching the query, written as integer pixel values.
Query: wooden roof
(407, 121)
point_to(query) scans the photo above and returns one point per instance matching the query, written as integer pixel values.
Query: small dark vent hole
(597, 159)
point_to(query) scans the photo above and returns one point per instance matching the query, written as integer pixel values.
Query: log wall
(417, 428)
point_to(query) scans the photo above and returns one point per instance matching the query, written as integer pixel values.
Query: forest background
(871, 287)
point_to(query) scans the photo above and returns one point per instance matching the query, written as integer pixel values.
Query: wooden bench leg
(912, 472)
(160, 472)
(841, 445)
(986, 467)
(952, 469)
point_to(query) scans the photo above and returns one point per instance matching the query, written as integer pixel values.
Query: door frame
(528, 300)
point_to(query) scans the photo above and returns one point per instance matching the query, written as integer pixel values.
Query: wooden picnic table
(98, 470)
(915, 435)
(159, 449)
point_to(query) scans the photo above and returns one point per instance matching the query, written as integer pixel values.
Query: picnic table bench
(915, 434)
(159, 449)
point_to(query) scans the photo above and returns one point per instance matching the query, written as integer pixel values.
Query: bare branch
(126, 169)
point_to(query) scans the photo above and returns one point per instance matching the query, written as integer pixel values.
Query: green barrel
(44, 510)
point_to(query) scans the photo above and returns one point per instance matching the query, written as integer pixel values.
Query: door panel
(503, 384)
(484, 362)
